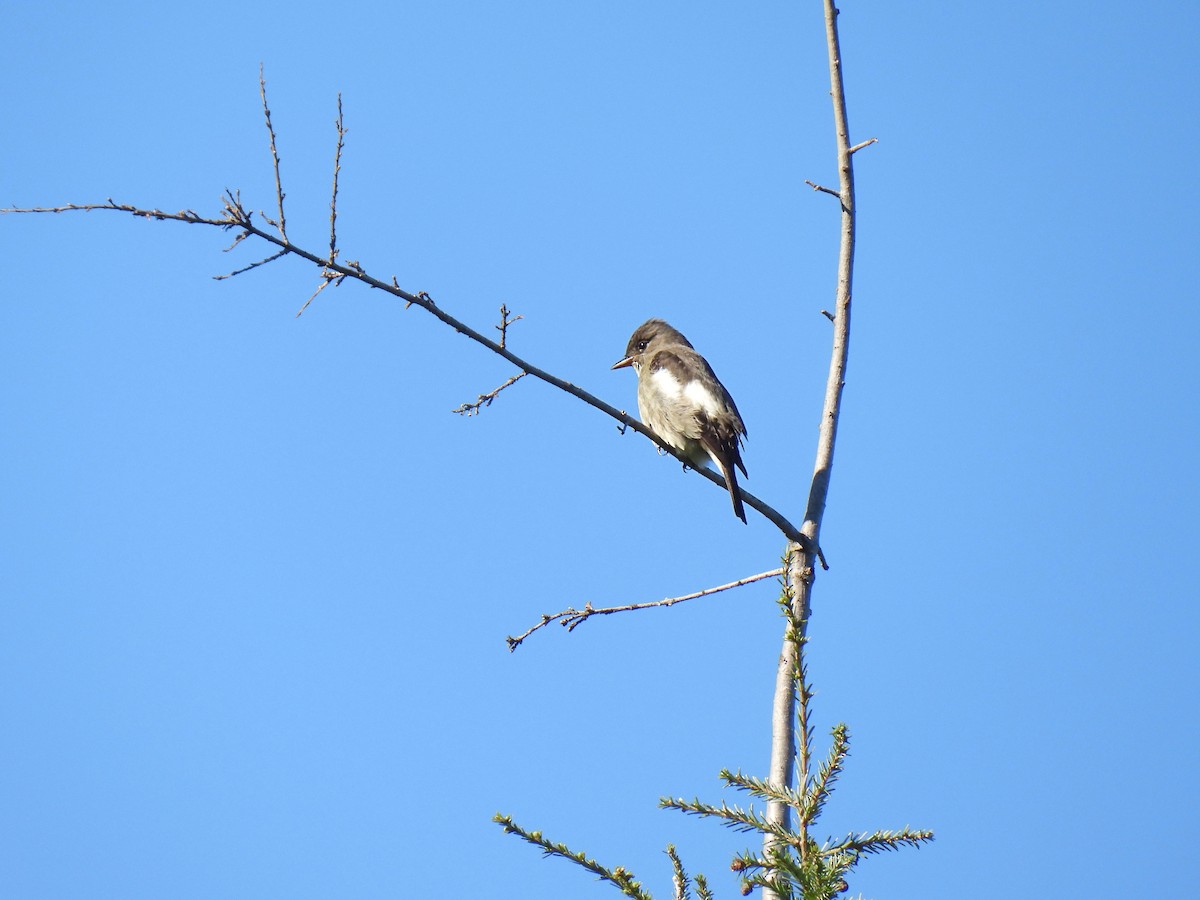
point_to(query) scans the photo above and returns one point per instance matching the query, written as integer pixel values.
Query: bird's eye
(642, 345)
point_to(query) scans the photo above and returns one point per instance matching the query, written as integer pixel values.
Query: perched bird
(684, 403)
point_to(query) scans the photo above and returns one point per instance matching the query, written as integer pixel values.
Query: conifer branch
(763, 790)
(619, 877)
(733, 817)
(682, 884)
(827, 774)
(878, 841)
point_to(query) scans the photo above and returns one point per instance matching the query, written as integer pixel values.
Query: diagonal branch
(822, 188)
(236, 216)
(253, 265)
(572, 618)
(473, 409)
(327, 278)
(619, 877)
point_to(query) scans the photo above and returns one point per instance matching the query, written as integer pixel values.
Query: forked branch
(235, 216)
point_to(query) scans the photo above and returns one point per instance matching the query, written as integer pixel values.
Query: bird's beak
(627, 361)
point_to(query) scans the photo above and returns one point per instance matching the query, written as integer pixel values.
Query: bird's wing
(715, 421)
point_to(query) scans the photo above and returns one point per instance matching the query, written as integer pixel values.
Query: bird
(684, 403)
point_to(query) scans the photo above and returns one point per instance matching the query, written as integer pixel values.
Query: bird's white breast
(672, 413)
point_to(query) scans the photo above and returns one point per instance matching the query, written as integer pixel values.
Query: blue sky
(255, 577)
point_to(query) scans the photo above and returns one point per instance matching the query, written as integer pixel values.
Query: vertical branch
(262, 90)
(800, 563)
(337, 168)
(804, 738)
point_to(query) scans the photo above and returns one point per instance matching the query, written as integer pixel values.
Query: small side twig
(472, 409)
(327, 278)
(279, 195)
(866, 143)
(337, 168)
(821, 187)
(572, 618)
(253, 265)
(505, 321)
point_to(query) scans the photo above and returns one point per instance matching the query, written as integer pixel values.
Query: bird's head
(649, 336)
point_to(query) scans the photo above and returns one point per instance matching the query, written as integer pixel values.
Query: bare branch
(858, 147)
(337, 168)
(327, 278)
(236, 216)
(254, 265)
(472, 409)
(240, 237)
(818, 187)
(184, 215)
(505, 321)
(279, 195)
(572, 618)
(800, 563)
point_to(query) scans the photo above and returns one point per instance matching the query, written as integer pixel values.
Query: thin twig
(184, 215)
(866, 143)
(279, 195)
(253, 265)
(472, 409)
(819, 187)
(572, 618)
(327, 278)
(505, 321)
(241, 236)
(337, 168)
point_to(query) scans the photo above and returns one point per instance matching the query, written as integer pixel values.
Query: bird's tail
(731, 483)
